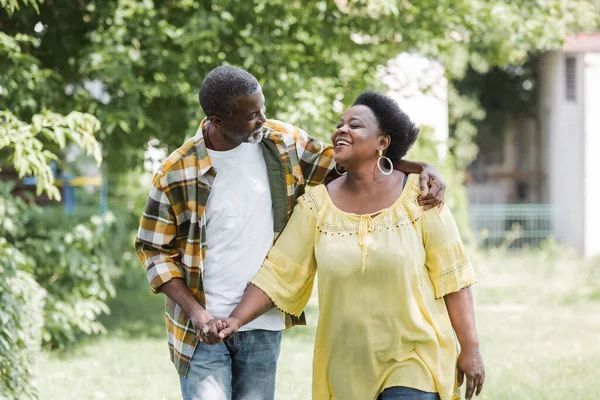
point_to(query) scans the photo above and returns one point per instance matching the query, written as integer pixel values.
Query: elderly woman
(393, 280)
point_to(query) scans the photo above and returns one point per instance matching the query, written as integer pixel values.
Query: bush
(29, 251)
(73, 264)
(21, 304)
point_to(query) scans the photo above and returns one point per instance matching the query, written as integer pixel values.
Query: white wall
(562, 124)
(592, 154)
(420, 87)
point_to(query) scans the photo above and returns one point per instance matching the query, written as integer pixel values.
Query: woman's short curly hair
(392, 122)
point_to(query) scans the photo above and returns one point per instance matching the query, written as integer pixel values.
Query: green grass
(538, 316)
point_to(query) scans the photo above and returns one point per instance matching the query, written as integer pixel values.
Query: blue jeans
(242, 368)
(406, 393)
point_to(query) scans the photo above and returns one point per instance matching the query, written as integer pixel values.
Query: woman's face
(357, 138)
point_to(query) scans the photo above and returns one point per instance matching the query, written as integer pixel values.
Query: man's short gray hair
(222, 86)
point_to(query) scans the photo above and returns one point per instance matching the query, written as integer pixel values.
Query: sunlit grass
(538, 316)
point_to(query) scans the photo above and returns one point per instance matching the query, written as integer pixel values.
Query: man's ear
(216, 121)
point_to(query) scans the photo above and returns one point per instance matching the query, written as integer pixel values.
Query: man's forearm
(410, 167)
(180, 293)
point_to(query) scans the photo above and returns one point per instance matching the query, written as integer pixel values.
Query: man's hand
(432, 188)
(200, 319)
(470, 364)
(227, 327)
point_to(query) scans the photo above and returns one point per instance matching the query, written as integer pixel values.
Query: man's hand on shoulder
(432, 188)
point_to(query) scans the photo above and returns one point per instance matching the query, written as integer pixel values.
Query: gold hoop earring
(382, 157)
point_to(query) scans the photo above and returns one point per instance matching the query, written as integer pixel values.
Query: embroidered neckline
(374, 215)
(404, 211)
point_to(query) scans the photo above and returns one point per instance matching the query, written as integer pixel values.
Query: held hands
(217, 330)
(200, 320)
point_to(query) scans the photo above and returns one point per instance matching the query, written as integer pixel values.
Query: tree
(137, 65)
(29, 147)
(25, 259)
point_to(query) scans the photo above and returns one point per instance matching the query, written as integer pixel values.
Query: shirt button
(194, 339)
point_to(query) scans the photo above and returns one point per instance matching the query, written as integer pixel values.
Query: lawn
(538, 315)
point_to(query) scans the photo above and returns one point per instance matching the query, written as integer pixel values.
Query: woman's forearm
(462, 317)
(254, 303)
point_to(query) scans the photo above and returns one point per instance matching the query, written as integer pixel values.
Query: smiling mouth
(342, 142)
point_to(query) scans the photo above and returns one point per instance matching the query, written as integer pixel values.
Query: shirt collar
(201, 153)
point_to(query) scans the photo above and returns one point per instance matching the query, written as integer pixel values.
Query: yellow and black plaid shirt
(171, 240)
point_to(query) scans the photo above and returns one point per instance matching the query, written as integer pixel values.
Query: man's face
(246, 123)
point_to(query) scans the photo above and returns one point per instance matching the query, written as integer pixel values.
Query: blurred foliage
(48, 271)
(67, 257)
(22, 145)
(13, 5)
(500, 91)
(126, 202)
(21, 305)
(464, 116)
(427, 148)
(137, 65)
(73, 263)
(56, 279)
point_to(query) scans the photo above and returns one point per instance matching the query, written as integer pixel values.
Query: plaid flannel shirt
(171, 240)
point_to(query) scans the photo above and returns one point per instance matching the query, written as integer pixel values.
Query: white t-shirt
(239, 231)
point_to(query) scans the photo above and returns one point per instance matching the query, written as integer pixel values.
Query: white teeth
(342, 142)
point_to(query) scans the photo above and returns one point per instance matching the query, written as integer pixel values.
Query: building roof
(583, 42)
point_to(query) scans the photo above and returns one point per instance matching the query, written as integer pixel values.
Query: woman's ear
(384, 142)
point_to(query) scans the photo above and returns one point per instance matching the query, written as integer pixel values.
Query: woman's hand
(470, 365)
(210, 333)
(230, 326)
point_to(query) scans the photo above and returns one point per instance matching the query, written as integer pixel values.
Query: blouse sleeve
(447, 263)
(288, 273)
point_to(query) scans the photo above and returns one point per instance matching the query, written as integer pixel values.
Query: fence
(514, 225)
